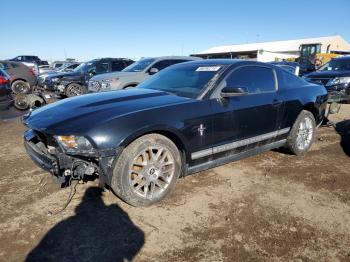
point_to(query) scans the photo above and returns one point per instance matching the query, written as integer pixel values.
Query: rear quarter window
(288, 80)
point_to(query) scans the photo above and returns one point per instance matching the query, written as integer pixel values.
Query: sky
(85, 30)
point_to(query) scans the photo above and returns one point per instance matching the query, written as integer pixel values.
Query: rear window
(4, 65)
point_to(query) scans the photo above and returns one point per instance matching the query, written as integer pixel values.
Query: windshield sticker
(208, 68)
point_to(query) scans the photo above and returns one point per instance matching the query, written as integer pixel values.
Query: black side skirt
(234, 157)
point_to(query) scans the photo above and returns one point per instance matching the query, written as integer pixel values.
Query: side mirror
(229, 91)
(153, 71)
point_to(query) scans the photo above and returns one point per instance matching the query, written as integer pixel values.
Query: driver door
(251, 116)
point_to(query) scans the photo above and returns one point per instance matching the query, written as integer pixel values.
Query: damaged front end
(69, 157)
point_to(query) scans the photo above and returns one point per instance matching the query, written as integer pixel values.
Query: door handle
(276, 102)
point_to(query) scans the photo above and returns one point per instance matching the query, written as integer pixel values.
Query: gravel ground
(274, 206)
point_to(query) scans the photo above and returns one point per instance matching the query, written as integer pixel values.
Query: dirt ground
(270, 207)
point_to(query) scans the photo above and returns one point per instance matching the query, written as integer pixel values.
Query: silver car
(135, 73)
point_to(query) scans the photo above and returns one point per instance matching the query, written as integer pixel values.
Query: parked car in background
(29, 59)
(187, 118)
(134, 74)
(6, 99)
(22, 77)
(292, 67)
(67, 67)
(57, 64)
(335, 76)
(43, 69)
(75, 83)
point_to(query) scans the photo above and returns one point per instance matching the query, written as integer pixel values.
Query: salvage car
(335, 76)
(69, 67)
(135, 73)
(23, 78)
(75, 83)
(187, 118)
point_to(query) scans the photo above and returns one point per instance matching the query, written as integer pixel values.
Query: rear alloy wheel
(302, 134)
(147, 170)
(20, 87)
(75, 89)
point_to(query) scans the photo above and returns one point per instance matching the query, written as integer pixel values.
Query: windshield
(309, 50)
(139, 65)
(183, 80)
(336, 65)
(84, 67)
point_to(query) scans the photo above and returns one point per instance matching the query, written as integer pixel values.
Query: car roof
(285, 63)
(225, 62)
(347, 57)
(13, 62)
(173, 57)
(109, 58)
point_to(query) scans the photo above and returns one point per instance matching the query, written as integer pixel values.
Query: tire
(75, 89)
(20, 87)
(21, 102)
(303, 133)
(136, 175)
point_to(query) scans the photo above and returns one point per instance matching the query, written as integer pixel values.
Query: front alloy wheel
(305, 133)
(151, 172)
(146, 170)
(75, 89)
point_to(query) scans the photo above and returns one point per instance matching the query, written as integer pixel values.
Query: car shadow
(343, 129)
(95, 233)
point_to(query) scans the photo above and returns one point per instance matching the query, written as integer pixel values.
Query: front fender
(172, 133)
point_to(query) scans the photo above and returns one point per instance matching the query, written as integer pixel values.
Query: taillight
(32, 72)
(4, 80)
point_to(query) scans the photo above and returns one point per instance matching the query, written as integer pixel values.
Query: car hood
(64, 74)
(78, 115)
(328, 74)
(114, 75)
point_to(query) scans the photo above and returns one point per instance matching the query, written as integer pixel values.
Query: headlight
(106, 84)
(94, 86)
(75, 144)
(338, 81)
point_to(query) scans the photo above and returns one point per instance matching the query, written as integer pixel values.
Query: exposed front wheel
(302, 134)
(75, 89)
(147, 170)
(21, 102)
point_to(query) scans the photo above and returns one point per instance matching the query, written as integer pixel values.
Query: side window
(117, 66)
(254, 79)
(102, 67)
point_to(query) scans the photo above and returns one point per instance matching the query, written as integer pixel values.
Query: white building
(277, 50)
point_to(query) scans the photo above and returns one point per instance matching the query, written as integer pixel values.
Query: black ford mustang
(188, 118)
